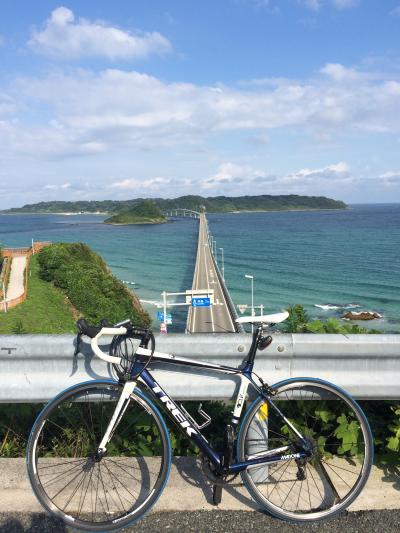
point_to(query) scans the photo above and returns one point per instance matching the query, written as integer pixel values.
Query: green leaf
(324, 415)
(394, 444)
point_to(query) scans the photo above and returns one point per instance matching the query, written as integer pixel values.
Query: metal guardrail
(36, 367)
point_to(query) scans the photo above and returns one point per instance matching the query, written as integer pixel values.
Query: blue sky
(163, 98)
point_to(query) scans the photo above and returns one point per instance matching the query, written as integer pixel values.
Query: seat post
(253, 348)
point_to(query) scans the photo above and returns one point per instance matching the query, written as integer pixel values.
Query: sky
(161, 98)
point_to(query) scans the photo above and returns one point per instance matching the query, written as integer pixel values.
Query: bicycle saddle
(264, 319)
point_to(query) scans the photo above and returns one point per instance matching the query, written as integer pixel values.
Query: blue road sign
(201, 302)
(160, 317)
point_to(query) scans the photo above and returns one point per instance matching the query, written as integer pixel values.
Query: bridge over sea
(219, 316)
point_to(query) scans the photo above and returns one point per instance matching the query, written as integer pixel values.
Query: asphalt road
(218, 522)
(216, 318)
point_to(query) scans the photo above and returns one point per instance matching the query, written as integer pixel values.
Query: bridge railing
(36, 367)
(228, 298)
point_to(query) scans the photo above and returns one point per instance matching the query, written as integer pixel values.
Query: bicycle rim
(336, 430)
(72, 483)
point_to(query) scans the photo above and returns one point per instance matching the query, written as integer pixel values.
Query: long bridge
(220, 316)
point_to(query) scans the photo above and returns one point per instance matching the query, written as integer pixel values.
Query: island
(217, 204)
(145, 212)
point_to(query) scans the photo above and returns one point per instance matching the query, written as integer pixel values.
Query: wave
(330, 307)
(152, 302)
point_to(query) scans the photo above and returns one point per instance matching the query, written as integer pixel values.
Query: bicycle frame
(181, 420)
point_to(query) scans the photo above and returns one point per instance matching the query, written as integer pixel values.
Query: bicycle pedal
(217, 494)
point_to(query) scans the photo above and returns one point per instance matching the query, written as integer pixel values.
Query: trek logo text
(174, 411)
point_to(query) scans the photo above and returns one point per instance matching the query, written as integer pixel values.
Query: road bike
(99, 454)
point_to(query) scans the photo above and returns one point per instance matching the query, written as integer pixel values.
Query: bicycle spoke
(340, 468)
(51, 481)
(340, 477)
(128, 474)
(114, 487)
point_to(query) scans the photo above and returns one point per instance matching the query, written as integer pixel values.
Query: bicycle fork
(119, 412)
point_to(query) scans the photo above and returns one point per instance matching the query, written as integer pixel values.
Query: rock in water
(361, 315)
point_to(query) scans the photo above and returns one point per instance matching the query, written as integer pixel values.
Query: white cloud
(340, 73)
(229, 173)
(56, 187)
(338, 170)
(269, 6)
(65, 37)
(345, 4)
(101, 124)
(315, 5)
(390, 178)
(8, 105)
(140, 185)
(312, 4)
(93, 112)
(239, 179)
(395, 12)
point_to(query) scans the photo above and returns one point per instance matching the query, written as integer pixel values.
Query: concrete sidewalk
(188, 490)
(16, 285)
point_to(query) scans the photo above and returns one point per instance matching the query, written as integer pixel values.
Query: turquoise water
(315, 257)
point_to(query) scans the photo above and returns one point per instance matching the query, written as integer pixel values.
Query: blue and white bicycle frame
(268, 457)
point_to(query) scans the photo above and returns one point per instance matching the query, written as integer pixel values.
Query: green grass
(46, 310)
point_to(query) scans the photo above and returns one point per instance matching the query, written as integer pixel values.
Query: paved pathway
(16, 282)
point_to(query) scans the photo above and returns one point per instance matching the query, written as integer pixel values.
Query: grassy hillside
(145, 212)
(46, 310)
(89, 285)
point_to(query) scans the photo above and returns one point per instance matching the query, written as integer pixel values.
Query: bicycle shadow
(392, 475)
(191, 472)
(37, 523)
(86, 352)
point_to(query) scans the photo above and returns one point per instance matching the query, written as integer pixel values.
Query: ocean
(328, 261)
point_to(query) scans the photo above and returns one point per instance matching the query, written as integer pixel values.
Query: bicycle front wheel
(335, 430)
(68, 477)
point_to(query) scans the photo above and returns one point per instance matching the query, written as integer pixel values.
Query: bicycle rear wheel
(69, 479)
(336, 430)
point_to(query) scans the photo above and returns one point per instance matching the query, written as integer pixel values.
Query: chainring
(212, 475)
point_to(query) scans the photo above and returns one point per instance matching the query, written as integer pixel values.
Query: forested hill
(218, 204)
(147, 212)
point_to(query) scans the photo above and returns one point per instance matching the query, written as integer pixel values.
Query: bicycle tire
(67, 478)
(342, 444)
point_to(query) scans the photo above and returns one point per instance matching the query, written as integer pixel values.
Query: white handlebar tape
(95, 347)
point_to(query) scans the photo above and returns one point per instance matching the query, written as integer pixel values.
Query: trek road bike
(99, 453)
